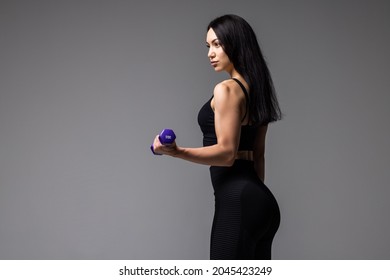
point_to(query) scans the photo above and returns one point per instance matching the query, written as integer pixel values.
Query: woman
(234, 124)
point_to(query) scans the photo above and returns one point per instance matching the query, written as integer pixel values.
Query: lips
(214, 63)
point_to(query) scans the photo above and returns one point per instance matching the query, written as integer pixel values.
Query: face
(218, 58)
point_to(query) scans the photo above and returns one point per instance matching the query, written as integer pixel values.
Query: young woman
(234, 124)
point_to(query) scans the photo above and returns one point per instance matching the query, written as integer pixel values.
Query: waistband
(240, 169)
(239, 164)
(244, 155)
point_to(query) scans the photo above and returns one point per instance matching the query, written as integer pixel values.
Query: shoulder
(228, 90)
(227, 97)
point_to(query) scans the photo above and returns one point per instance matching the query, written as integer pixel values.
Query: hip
(241, 173)
(238, 184)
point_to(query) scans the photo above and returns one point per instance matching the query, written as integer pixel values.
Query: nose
(211, 53)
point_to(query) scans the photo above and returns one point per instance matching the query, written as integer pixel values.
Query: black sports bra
(206, 123)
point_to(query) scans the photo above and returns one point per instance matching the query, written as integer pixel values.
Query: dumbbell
(166, 137)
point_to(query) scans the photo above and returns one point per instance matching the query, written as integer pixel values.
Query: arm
(259, 151)
(228, 105)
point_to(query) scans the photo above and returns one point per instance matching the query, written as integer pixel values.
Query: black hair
(240, 44)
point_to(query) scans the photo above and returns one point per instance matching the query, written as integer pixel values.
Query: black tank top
(206, 123)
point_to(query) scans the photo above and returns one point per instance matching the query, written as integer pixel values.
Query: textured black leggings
(246, 214)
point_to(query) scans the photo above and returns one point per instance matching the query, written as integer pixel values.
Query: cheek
(222, 55)
(225, 59)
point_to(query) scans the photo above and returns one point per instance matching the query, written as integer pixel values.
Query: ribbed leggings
(246, 215)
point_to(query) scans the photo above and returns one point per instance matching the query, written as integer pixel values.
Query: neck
(233, 73)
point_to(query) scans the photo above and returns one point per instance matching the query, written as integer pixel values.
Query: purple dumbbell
(166, 137)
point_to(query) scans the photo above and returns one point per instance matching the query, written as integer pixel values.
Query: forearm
(214, 155)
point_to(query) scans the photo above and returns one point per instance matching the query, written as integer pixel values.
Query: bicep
(227, 112)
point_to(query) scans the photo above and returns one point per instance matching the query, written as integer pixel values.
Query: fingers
(164, 143)
(169, 148)
(157, 145)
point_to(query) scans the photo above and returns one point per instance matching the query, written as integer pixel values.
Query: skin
(229, 105)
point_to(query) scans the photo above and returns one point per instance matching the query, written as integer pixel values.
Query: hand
(170, 150)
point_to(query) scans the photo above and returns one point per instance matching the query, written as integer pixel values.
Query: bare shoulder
(228, 89)
(222, 87)
(228, 96)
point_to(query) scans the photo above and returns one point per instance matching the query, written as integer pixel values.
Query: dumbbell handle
(166, 137)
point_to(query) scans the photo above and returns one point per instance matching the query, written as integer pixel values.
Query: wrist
(179, 152)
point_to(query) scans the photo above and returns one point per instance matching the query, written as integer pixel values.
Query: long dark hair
(239, 42)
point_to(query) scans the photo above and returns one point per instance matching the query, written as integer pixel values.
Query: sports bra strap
(246, 97)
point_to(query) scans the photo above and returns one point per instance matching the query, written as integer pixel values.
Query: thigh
(260, 221)
(226, 230)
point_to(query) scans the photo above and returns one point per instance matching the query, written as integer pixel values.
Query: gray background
(86, 85)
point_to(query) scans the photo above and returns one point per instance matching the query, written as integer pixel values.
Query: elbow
(227, 163)
(226, 155)
(229, 159)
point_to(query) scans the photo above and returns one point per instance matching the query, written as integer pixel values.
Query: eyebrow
(212, 40)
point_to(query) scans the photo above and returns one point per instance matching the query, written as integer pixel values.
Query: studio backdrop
(85, 86)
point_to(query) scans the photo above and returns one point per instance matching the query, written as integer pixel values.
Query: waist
(245, 155)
